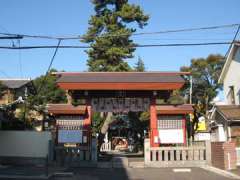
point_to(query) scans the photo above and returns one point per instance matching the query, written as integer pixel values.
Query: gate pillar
(153, 124)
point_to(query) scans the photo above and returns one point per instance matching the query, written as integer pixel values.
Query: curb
(221, 172)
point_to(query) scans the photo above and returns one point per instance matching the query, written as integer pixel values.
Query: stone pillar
(147, 153)
(208, 152)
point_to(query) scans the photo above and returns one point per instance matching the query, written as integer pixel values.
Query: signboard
(70, 136)
(120, 104)
(170, 136)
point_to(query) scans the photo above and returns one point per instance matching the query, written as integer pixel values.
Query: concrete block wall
(28, 144)
(224, 155)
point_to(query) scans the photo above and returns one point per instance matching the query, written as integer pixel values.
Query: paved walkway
(236, 171)
(26, 172)
(141, 174)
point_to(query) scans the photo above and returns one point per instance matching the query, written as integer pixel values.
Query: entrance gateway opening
(115, 95)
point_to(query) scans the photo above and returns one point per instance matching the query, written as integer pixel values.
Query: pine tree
(109, 36)
(140, 67)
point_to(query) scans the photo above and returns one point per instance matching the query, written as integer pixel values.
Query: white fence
(195, 155)
(106, 147)
(238, 156)
(30, 144)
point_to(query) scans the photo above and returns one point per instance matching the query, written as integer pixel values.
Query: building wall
(24, 144)
(224, 155)
(232, 78)
(235, 134)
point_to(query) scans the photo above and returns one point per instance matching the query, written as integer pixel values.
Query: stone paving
(236, 171)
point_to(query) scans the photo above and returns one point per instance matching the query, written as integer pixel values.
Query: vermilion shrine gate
(119, 92)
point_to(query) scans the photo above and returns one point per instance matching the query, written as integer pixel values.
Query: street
(141, 174)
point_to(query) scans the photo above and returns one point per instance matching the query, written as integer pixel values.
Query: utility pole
(25, 106)
(191, 89)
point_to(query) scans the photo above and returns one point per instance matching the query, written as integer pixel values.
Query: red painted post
(87, 120)
(153, 123)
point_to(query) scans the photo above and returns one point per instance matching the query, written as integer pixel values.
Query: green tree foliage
(109, 36)
(48, 91)
(205, 73)
(2, 89)
(140, 66)
(175, 98)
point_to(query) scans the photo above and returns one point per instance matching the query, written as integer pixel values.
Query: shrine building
(89, 92)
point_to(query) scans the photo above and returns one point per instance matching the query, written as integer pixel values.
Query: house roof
(230, 112)
(14, 83)
(228, 61)
(57, 109)
(120, 80)
(174, 109)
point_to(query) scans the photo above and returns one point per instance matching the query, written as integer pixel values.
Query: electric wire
(20, 58)
(233, 40)
(49, 67)
(126, 34)
(133, 46)
(5, 74)
(4, 29)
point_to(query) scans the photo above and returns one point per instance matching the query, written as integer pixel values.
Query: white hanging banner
(120, 104)
(69, 136)
(168, 136)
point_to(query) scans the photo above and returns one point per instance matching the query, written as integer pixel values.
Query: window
(170, 122)
(239, 97)
(230, 95)
(236, 56)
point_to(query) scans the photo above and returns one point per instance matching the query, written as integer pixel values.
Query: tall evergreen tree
(109, 36)
(140, 66)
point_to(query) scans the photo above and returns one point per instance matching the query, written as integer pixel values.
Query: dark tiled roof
(231, 112)
(121, 77)
(14, 83)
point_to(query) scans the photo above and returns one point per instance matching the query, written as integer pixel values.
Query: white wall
(232, 78)
(24, 144)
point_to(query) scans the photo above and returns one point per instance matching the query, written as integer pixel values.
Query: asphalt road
(141, 174)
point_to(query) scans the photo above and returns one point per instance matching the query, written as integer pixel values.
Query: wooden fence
(181, 156)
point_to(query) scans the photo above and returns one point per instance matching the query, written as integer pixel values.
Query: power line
(125, 34)
(49, 67)
(189, 29)
(234, 39)
(5, 74)
(4, 29)
(138, 45)
(11, 37)
(20, 58)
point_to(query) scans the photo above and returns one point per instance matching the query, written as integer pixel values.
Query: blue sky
(70, 17)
